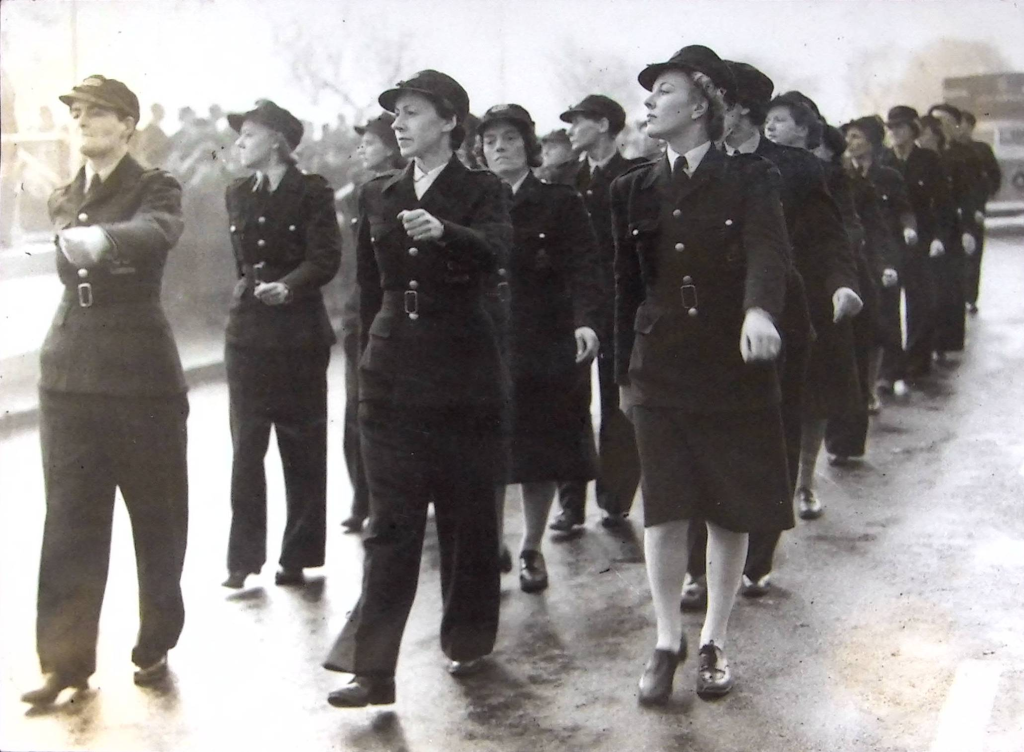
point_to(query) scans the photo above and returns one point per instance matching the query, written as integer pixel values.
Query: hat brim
(237, 119)
(70, 99)
(899, 121)
(389, 99)
(650, 74)
(501, 118)
(568, 115)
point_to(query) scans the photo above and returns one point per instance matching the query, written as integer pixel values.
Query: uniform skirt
(728, 468)
(552, 437)
(831, 386)
(949, 311)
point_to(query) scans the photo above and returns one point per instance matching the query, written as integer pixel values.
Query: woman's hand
(272, 293)
(845, 304)
(586, 344)
(970, 245)
(83, 246)
(910, 236)
(890, 278)
(759, 339)
(421, 225)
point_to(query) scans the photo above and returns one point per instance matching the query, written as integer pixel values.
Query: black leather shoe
(289, 577)
(155, 672)
(505, 560)
(533, 572)
(54, 684)
(656, 681)
(363, 691)
(614, 520)
(235, 580)
(466, 668)
(566, 521)
(807, 505)
(714, 677)
(353, 524)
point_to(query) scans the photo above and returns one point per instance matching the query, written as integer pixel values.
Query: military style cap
(870, 126)
(272, 116)
(105, 92)
(694, 57)
(436, 86)
(598, 106)
(947, 108)
(800, 98)
(751, 86)
(380, 127)
(558, 136)
(513, 113)
(902, 114)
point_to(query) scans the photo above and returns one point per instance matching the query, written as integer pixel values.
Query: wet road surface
(896, 622)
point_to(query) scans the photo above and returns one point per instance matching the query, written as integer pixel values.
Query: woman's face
(555, 153)
(100, 130)
(929, 139)
(504, 149)
(418, 127)
(857, 144)
(257, 145)
(373, 152)
(673, 105)
(901, 134)
(781, 128)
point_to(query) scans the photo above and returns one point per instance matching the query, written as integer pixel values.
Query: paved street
(896, 623)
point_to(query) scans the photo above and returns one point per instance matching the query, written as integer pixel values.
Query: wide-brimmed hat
(272, 116)
(694, 57)
(436, 86)
(597, 106)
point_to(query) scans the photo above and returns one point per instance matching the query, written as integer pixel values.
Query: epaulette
(638, 167)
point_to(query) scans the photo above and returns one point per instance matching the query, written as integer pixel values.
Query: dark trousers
(919, 287)
(350, 439)
(286, 389)
(91, 446)
(894, 358)
(618, 462)
(847, 434)
(415, 456)
(761, 549)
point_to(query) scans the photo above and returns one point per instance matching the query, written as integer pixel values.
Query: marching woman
(932, 204)
(700, 275)
(287, 245)
(831, 387)
(556, 295)
(432, 390)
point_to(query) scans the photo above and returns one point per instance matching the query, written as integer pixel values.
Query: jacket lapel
(399, 191)
(437, 199)
(126, 172)
(705, 171)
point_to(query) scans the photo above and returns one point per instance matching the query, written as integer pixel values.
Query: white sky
(195, 52)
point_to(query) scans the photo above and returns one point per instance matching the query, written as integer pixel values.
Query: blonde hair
(715, 95)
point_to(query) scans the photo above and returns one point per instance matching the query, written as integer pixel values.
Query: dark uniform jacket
(595, 189)
(426, 335)
(121, 343)
(290, 235)
(690, 261)
(564, 173)
(822, 251)
(929, 193)
(555, 278)
(968, 183)
(989, 167)
(880, 247)
(897, 214)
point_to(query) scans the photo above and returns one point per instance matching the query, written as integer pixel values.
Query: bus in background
(997, 101)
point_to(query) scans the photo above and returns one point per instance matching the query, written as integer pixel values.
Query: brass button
(502, 272)
(83, 273)
(414, 316)
(635, 233)
(728, 223)
(353, 221)
(413, 251)
(291, 228)
(677, 213)
(687, 280)
(262, 220)
(680, 247)
(413, 284)
(542, 236)
(693, 313)
(233, 228)
(261, 243)
(83, 217)
(590, 192)
(885, 197)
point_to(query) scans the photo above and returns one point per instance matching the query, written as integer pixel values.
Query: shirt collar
(747, 147)
(104, 173)
(418, 174)
(519, 183)
(594, 164)
(693, 156)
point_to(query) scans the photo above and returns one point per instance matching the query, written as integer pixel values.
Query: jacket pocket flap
(643, 227)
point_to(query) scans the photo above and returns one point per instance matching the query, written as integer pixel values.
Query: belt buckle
(689, 295)
(504, 292)
(85, 295)
(411, 300)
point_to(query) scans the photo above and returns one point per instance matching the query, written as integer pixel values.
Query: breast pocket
(719, 241)
(381, 229)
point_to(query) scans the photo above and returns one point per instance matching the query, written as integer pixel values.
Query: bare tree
(581, 71)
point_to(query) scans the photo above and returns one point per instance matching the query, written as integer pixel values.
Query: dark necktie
(679, 176)
(94, 186)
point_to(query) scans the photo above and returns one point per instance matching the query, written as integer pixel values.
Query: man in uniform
(112, 400)
(594, 124)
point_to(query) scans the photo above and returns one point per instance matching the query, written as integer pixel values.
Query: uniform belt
(415, 302)
(264, 272)
(88, 295)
